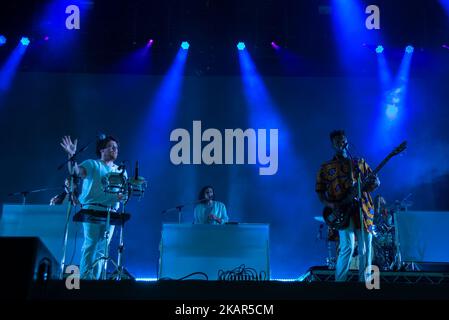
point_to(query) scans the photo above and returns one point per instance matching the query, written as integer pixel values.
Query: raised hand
(68, 145)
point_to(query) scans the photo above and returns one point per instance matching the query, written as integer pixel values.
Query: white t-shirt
(202, 211)
(93, 186)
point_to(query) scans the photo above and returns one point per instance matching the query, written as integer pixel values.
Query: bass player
(336, 186)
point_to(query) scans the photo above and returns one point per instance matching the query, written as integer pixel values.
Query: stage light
(379, 49)
(146, 279)
(241, 46)
(150, 43)
(409, 49)
(285, 280)
(274, 45)
(2, 40)
(25, 41)
(185, 45)
(46, 38)
(445, 46)
(9, 67)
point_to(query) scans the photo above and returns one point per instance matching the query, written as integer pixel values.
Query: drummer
(93, 197)
(382, 216)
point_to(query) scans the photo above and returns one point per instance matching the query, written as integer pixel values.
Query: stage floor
(189, 290)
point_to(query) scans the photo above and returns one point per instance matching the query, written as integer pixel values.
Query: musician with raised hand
(94, 199)
(336, 186)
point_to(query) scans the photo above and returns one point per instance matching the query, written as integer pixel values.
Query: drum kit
(385, 244)
(118, 184)
(385, 249)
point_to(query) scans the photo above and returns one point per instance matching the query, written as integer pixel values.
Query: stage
(316, 285)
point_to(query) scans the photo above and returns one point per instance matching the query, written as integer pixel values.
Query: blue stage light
(25, 41)
(409, 49)
(241, 46)
(185, 45)
(392, 111)
(379, 49)
(2, 40)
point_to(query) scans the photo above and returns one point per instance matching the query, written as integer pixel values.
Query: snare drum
(137, 186)
(114, 182)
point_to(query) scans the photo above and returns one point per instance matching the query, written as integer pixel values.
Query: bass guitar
(338, 217)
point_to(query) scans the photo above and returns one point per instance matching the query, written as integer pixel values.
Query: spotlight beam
(9, 68)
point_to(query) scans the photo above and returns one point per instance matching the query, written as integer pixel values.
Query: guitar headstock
(399, 149)
(393, 153)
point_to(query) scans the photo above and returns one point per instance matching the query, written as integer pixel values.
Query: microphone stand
(180, 207)
(359, 201)
(25, 193)
(67, 221)
(69, 206)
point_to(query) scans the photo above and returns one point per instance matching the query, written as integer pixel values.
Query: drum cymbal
(319, 219)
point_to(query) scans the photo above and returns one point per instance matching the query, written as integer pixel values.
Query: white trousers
(347, 246)
(93, 248)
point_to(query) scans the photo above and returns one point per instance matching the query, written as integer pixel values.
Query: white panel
(46, 222)
(423, 235)
(189, 248)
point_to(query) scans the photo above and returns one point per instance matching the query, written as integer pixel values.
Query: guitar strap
(359, 207)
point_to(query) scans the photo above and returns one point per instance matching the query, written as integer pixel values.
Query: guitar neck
(382, 164)
(395, 152)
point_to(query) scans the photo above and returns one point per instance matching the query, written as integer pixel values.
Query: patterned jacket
(336, 180)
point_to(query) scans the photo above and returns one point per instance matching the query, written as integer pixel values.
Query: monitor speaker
(25, 261)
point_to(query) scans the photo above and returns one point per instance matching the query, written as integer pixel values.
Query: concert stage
(33, 276)
(418, 287)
